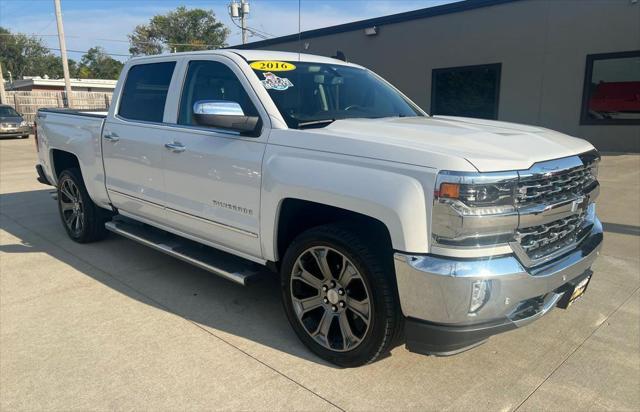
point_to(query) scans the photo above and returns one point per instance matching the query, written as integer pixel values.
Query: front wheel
(82, 219)
(339, 299)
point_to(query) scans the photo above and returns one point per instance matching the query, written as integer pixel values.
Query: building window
(612, 89)
(469, 91)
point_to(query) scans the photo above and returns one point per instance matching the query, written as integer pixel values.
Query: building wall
(542, 45)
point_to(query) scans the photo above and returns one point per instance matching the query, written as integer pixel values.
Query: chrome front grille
(552, 199)
(555, 187)
(543, 240)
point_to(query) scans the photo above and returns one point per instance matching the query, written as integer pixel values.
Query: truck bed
(76, 133)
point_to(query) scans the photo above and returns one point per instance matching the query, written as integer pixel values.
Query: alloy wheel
(330, 298)
(71, 206)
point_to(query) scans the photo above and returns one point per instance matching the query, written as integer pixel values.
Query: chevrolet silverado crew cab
(386, 225)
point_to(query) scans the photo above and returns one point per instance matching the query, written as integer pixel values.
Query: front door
(133, 142)
(212, 177)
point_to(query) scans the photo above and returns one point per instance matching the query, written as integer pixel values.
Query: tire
(24, 136)
(367, 334)
(81, 218)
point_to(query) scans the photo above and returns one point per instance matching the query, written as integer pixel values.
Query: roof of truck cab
(254, 55)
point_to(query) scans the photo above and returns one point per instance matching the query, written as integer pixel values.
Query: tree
(49, 65)
(27, 56)
(181, 30)
(97, 64)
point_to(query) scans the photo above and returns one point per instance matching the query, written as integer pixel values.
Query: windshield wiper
(315, 123)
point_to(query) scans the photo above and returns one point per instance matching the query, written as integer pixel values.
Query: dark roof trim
(379, 21)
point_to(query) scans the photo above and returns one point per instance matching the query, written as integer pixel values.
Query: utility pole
(3, 96)
(240, 11)
(243, 23)
(63, 52)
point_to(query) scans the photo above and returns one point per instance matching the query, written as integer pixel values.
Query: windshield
(8, 112)
(314, 94)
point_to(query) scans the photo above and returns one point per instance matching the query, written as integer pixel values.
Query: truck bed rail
(99, 113)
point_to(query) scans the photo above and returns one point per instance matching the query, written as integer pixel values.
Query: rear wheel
(338, 297)
(82, 219)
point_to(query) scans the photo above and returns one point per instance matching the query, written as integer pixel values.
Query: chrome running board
(223, 264)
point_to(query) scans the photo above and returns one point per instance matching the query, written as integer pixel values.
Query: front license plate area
(574, 290)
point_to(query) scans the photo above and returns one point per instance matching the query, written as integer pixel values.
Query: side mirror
(224, 115)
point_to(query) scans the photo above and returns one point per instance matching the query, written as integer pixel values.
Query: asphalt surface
(115, 325)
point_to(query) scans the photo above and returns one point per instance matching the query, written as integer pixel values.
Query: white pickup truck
(385, 224)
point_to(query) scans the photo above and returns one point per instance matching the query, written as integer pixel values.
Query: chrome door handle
(175, 147)
(111, 136)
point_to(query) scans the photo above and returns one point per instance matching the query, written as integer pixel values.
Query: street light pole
(63, 52)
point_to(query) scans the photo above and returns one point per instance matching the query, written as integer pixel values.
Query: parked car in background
(383, 221)
(12, 124)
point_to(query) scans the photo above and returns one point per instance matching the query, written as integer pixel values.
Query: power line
(255, 32)
(239, 11)
(249, 30)
(76, 51)
(108, 40)
(87, 51)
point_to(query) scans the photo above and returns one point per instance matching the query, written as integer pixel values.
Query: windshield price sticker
(272, 66)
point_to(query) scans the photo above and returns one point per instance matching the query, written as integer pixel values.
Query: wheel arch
(62, 160)
(390, 198)
(297, 215)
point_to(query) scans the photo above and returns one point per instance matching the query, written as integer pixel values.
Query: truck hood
(487, 145)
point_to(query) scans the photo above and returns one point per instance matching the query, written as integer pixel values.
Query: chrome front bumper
(438, 289)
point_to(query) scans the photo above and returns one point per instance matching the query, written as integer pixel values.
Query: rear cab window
(145, 90)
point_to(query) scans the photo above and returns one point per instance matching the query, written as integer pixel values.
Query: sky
(89, 23)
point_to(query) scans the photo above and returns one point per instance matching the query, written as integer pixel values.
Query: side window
(209, 80)
(145, 91)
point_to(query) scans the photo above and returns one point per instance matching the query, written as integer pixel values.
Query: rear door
(134, 138)
(213, 180)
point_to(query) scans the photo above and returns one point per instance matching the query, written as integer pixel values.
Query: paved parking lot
(114, 325)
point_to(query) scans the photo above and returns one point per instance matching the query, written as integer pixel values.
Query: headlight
(24, 123)
(474, 209)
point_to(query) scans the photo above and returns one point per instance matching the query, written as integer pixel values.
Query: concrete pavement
(115, 325)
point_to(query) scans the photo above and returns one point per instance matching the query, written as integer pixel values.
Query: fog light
(479, 295)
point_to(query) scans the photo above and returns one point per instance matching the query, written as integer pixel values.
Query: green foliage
(181, 30)
(27, 56)
(96, 64)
